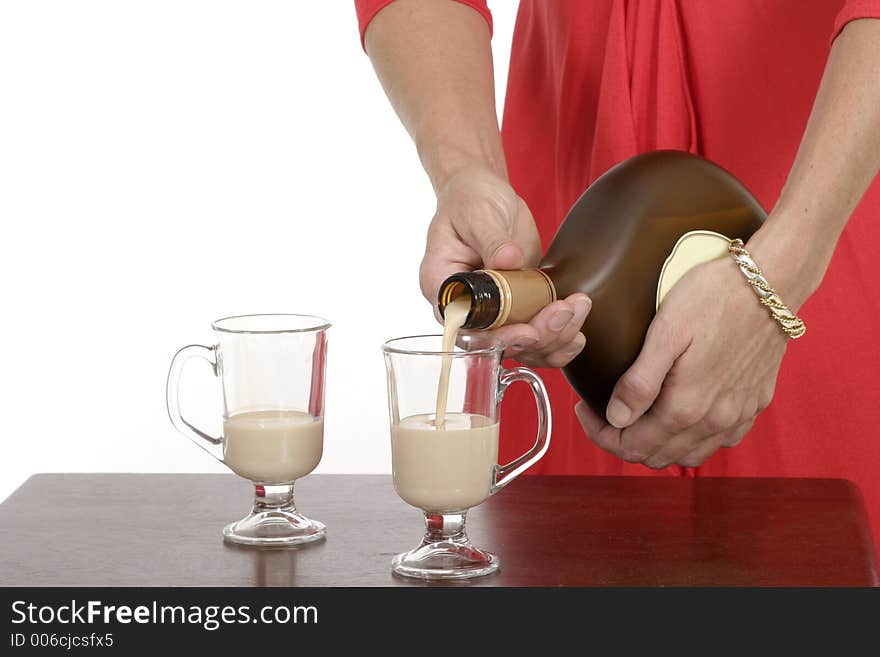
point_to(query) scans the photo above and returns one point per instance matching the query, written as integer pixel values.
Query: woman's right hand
(481, 223)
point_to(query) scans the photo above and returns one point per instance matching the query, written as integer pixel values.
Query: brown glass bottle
(613, 245)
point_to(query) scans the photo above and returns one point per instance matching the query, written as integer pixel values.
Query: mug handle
(204, 440)
(504, 474)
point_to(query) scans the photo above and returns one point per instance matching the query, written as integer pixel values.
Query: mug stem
(274, 498)
(445, 552)
(274, 521)
(445, 527)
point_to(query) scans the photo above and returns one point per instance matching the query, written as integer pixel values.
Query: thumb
(640, 385)
(507, 256)
(490, 234)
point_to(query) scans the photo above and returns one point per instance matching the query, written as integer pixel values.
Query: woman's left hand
(711, 357)
(707, 368)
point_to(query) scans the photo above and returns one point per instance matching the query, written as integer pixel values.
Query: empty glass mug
(271, 369)
(445, 470)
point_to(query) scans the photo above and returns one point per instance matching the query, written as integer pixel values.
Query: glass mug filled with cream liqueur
(444, 404)
(271, 368)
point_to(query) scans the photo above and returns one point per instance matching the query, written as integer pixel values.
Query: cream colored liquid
(454, 316)
(272, 446)
(444, 470)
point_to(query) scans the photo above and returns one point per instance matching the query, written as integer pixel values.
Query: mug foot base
(275, 528)
(445, 560)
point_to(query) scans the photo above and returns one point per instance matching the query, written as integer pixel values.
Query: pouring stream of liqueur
(455, 314)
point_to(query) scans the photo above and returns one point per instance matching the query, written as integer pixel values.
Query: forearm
(838, 158)
(434, 60)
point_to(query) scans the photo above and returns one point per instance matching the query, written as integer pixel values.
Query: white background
(166, 163)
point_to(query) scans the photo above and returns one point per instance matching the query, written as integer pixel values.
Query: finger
(602, 434)
(766, 395)
(557, 326)
(696, 457)
(435, 268)
(519, 338)
(489, 229)
(563, 354)
(568, 343)
(508, 256)
(537, 328)
(735, 436)
(561, 334)
(681, 419)
(640, 385)
(696, 437)
(550, 322)
(678, 412)
(701, 454)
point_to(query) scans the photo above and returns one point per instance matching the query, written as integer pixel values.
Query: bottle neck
(498, 297)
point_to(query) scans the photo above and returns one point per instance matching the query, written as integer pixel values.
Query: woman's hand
(707, 368)
(435, 62)
(480, 222)
(711, 357)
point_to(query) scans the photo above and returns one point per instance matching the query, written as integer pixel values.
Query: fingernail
(618, 413)
(576, 347)
(582, 305)
(523, 343)
(505, 255)
(560, 319)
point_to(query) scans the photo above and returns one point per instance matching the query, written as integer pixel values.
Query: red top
(593, 83)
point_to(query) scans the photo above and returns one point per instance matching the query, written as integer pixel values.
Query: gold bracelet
(792, 324)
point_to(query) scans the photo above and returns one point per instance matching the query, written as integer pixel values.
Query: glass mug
(272, 372)
(446, 472)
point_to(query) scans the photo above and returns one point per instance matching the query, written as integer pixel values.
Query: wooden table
(164, 530)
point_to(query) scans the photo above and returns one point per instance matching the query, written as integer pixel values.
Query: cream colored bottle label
(692, 249)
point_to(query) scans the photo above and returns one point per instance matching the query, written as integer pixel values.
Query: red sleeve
(366, 9)
(854, 9)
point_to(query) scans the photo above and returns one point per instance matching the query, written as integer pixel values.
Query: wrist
(793, 260)
(443, 160)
